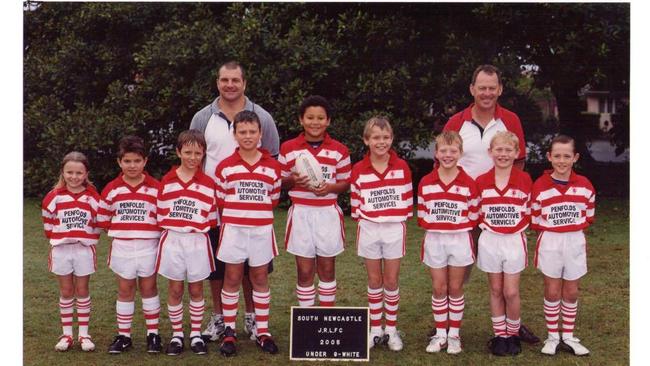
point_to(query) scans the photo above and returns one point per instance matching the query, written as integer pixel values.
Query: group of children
(161, 228)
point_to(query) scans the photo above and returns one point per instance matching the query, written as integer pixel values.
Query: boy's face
(448, 155)
(191, 156)
(562, 158)
(248, 135)
(379, 141)
(132, 165)
(503, 153)
(315, 121)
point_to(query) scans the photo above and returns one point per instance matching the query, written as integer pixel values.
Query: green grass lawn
(602, 324)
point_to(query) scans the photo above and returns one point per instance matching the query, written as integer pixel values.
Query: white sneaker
(249, 326)
(86, 343)
(215, 328)
(453, 345)
(64, 344)
(437, 344)
(394, 341)
(375, 337)
(550, 346)
(575, 346)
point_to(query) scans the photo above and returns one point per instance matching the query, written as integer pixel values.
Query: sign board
(329, 333)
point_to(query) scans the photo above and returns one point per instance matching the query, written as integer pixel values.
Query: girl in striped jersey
(128, 212)
(562, 207)
(382, 200)
(502, 253)
(69, 218)
(447, 210)
(248, 188)
(186, 210)
(315, 232)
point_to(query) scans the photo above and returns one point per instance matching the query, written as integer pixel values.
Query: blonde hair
(76, 157)
(378, 121)
(507, 137)
(449, 138)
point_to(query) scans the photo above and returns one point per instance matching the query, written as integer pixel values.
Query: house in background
(604, 104)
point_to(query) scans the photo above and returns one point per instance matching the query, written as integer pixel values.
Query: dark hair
(190, 137)
(315, 101)
(232, 65)
(246, 116)
(562, 139)
(488, 69)
(131, 144)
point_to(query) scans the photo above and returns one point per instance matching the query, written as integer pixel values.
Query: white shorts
(315, 231)
(562, 255)
(239, 243)
(78, 259)
(133, 258)
(499, 253)
(184, 256)
(440, 250)
(381, 240)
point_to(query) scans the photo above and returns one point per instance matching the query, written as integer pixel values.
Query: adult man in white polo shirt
(215, 121)
(477, 124)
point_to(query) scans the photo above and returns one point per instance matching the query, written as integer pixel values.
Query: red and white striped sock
(440, 309)
(456, 309)
(306, 295)
(176, 319)
(151, 310)
(196, 317)
(569, 313)
(66, 309)
(512, 327)
(552, 317)
(124, 311)
(261, 303)
(327, 293)
(375, 303)
(229, 303)
(499, 326)
(83, 315)
(391, 305)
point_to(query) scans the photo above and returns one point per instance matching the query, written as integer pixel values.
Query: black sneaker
(198, 346)
(514, 345)
(154, 343)
(120, 344)
(175, 346)
(267, 344)
(527, 335)
(498, 346)
(228, 347)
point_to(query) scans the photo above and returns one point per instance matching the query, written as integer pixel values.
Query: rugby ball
(307, 165)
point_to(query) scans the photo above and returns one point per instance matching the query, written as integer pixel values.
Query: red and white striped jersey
(129, 212)
(507, 210)
(71, 217)
(449, 207)
(562, 208)
(187, 206)
(382, 197)
(247, 194)
(334, 159)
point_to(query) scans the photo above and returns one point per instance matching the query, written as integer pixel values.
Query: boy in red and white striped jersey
(563, 205)
(128, 212)
(315, 232)
(248, 188)
(186, 210)
(69, 218)
(504, 215)
(447, 210)
(382, 200)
